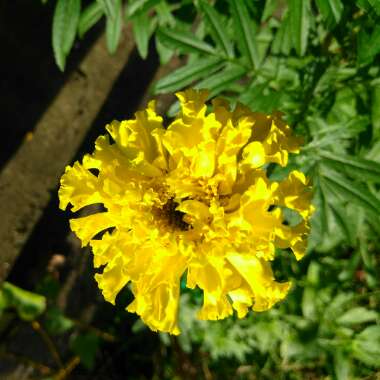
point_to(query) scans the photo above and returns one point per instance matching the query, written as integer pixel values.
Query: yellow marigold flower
(192, 199)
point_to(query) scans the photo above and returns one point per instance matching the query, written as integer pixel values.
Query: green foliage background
(317, 62)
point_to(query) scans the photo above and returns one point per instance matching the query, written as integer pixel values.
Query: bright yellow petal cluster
(192, 199)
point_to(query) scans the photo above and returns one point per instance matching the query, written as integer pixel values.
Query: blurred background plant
(317, 61)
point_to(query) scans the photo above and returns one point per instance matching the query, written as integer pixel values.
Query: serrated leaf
(184, 41)
(331, 11)
(89, 17)
(299, 24)
(138, 7)
(366, 346)
(245, 32)
(360, 168)
(217, 82)
(28, 305)
(141, 31)
(65, 24)
(113, 27)
(184, 76)
(213, 19)
(352, 192)
(357, 315)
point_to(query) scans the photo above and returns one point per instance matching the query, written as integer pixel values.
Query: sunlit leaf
(357, 315)
(28, 305)
(366, 346)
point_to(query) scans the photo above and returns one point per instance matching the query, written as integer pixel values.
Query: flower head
(192, 199)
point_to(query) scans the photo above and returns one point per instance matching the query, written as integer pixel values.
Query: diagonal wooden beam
(28, 179)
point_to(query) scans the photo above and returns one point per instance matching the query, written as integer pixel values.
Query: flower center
(170, 216)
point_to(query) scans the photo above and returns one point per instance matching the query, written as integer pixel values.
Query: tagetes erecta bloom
(194, 199)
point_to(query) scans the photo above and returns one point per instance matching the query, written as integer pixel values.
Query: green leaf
(138, 7)
(331, 11)
(323, 209)
(282, 42)
(299, 24)
(217, 82)
(341, 218)
(65, 23)
(342, 365)
(368, 45)
(375, 110)
(113, 27)
(360, 168)
(245, 32)
(352, 192)
(213, 19)
(357, 315)
(366, 346)
(375, 4)
(184, 76)
(184, 41)
(109, 7)
(141, 31)
(89, 17)
(27, 304)
(86, 347)
(56, 322)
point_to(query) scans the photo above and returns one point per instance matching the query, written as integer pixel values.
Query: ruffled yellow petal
(193, 198)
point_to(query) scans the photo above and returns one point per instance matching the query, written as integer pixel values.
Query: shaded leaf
(113, 27)
(86, 347)
(342, 365)
(65, 24)
(360, 168)
(213, 19)
(56, 322)
(368, 45)
(141, 31)
(216, 82)
(184, 41)
(245, 32)
(352, 192)
(139, 7)
(89, 17)
(184, 76)
(299, 24)
(331, 10)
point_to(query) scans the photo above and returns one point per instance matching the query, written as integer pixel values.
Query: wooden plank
(28, 179)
